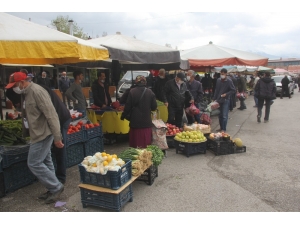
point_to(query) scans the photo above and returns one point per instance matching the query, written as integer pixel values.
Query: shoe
(242, 108)
(54, 196)
(219, 130)
(266, 121)
(258, 119)
(44, 196)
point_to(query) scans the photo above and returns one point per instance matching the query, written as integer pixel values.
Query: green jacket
(41, 115)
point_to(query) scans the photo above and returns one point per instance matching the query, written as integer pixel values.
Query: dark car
(278, 79)
(127, 79)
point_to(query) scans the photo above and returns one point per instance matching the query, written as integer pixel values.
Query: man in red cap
(43, 125)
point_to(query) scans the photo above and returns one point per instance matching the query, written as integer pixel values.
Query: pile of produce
(142, 158)
(197, 127)
(102, 162)
(76, 127)
(172, 129)
(238, 142)
(117, 106)
(190, 136)
(220, 136)
(11, 132)
(75, 114)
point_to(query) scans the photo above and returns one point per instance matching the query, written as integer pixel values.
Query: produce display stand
(114, 199)
(188, 149)
(224, 147)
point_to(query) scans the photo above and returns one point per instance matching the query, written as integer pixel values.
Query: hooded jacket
(99, 94)
(265, 88)
(285, 81)
(206, 82)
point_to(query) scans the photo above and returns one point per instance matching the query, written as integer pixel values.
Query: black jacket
(265, 88)
(99, 94)
(175, 97)
(124, 97)
(241, 84)
(44, 81)
(223, 87)
(64, 84)
(206, 82)
(285, 81)
(141, 113)
(159, 90)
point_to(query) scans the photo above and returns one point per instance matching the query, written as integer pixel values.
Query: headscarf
(140, 80)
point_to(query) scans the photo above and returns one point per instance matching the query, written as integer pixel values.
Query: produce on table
(172, 129)
(11, 132)
(196, 126)
(238, 142)
(73, 128)
(157, 154)
(101, 162)
(190, 137)
(115, 104)
(95, 107)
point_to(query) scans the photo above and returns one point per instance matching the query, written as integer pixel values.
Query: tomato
(91, 125)
(80, 122)
(76, 130)
(96, 124)
(87, 126)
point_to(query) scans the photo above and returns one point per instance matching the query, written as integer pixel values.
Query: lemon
(105, 163)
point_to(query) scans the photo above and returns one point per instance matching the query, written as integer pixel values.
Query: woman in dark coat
(140, 122)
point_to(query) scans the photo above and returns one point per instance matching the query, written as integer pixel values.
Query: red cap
(16, 77)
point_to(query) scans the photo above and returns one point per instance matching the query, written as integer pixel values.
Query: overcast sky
(275, 33)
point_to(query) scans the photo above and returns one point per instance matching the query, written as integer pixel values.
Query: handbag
(128, 115)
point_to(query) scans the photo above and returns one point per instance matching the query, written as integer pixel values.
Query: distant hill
(267, 55)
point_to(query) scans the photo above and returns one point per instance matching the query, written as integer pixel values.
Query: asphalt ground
(264, 179)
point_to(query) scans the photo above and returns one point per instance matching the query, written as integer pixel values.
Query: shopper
(140, 102)
(241, 88)
(233, 99)
(195, 88)
(43, 125)
(44, 80)
(100, 92)
(285, 87)
(223, 92)
(177, 94)
(75, 93)
(64, 84)
(159, 86)
(256, 78)
(265, 91)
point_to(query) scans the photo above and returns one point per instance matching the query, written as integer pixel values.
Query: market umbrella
(216, 56)
(24, 42)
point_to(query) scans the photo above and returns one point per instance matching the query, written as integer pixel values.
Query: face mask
(222, 76)
(102, 81)
(161, 77)
(188, 78)
(18, 90)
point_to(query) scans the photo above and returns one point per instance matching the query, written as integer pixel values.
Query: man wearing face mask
(63, 85)
(159, 85)
(44, 128)
(100, 92)
(44, 80)
(176, 94)
(224, 89)
(75, 93)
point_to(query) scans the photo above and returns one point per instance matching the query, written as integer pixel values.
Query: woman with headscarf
(140, 102)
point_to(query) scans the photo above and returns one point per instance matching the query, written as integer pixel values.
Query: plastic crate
(93, 145)
(2, 187)
(13, 154)
(16, 176)
(106, 200)
(93, 132)
(149, 175)
(190, 148)
(75, 154)
(112, 179)
(239, 149)
(75, 138)
(220, 147)
(170, 141)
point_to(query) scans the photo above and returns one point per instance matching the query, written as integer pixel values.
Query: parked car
(126, 80)
(278, 79)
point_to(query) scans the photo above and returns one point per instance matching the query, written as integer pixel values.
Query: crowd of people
(49, 118)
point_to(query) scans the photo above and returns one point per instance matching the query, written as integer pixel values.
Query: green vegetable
(157, 154)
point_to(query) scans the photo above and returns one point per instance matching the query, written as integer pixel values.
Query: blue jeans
(61, 154)
(223, 116)
(40, 164)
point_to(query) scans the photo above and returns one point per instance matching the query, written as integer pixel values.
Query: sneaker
(44, 196)
(258, 119)
(54, 196)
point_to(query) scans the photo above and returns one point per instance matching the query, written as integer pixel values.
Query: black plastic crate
(2, 187)
(149, 175)
(93, 132)
(17, 176)
(13, 154)
(112, 179)
(170, 141)
(190, 148)
(239, 149)
(74, 138)
(75, 154)
(220, 147)
(93, 145)
(106, 200)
